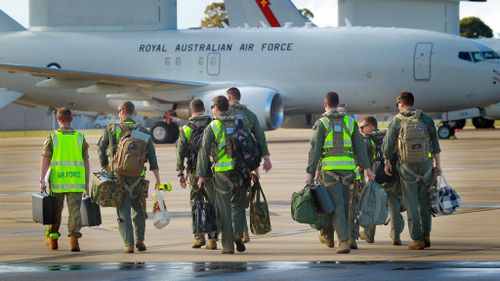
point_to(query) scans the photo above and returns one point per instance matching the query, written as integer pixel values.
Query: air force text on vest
(68, 175)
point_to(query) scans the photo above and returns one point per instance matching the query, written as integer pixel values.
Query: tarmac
(464, 244)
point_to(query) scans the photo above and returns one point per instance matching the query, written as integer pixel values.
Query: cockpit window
(464, 56)
(478, 56)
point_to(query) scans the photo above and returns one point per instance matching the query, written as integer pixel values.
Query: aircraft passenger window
(200, 60)
(167, 61)
(478, 56)
(464, 56)
(178, 61)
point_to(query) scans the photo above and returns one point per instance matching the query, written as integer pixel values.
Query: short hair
(369, 120)
(406, 98)
(197, 105)
(221, 102)
(234, 93)
(64, 115)
(128, 107)
(332, 99)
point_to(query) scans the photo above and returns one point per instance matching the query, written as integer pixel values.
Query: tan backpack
(130, 154)
(414, 139)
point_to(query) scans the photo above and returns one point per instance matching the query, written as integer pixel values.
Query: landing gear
(482, 123)
(445, 131)
(162, 132)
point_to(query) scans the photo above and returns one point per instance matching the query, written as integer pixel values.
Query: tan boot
(343, 247)
(129, 249)
(198, 243)
(327, 242)
(416, 245)
(52, 243)
(141, 247)
(427, 242)
(73, 243)
(211, 244)
(246, 237)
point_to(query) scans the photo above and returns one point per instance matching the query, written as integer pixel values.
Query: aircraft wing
(62, 75)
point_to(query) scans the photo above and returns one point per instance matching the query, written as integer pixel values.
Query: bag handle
(257, 191)
(442, 179)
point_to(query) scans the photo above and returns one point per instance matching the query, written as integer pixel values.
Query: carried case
(90, 212)
(44, 208)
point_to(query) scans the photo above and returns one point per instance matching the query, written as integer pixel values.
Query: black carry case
(322, 199)
(44, 208)
(90, 212)
(203, 216)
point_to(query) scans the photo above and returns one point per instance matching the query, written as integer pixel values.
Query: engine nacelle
(264, 102)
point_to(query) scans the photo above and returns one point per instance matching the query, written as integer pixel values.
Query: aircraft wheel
(445, 132)
(164, 133)
(482, 123)
(460, 124)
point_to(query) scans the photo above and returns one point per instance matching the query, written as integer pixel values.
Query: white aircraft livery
(278, 70)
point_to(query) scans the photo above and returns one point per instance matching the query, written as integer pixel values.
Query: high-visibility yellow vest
(67, 165)
(224, 162)
(187, 132)
(337, 151)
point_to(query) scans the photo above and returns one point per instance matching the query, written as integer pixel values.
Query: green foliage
(474, 27)
(306, 13)
(216, 15)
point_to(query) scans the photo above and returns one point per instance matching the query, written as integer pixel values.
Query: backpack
(377, 157)
(242, 146)
(194, 145)
(372, 205)
(130, 155)
(413, 139)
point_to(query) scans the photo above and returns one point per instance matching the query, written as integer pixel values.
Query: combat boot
(327, 242)
(51, 239)
(211, 244)
(52, 243)
(352, 244)
(73, 243)
(396, 241)
(246, 237)
(129, 249)
(240, 246)
(416, 245)
(141, 247)
(343, 247)
(427, 242)
(198, 243)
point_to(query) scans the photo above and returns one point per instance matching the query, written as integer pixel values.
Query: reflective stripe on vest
(67, 165)
(224, 163)
(338, 162)
(187, 132)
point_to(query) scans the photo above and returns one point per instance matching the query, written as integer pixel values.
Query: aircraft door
(422, 61)
(213, 64)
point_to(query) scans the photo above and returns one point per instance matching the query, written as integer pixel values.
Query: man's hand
(201, 182)
(182, 181)
(267, 164)
(388, 167)
(310, 179)
(43, 185)
(369, 174)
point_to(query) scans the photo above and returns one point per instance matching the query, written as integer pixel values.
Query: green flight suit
(73, 199)
(182, 152)
(415, 188)
(252, 122)
(230, 197)
(337, 182)
(132, 212)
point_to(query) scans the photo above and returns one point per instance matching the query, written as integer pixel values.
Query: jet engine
(264, 102)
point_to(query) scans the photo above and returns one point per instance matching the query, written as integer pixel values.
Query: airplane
(284, 12)
(280, 71)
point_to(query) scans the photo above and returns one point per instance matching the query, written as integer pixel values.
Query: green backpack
(304, 209)
(414, 139)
